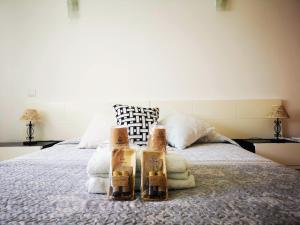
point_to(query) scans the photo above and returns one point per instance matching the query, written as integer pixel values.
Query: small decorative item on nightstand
(30, 115)
(278, 112)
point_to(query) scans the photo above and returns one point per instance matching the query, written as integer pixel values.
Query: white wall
(170, 49)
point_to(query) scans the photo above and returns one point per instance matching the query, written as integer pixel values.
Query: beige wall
(170, 49)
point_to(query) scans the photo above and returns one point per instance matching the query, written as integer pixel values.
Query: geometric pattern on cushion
(138, 121)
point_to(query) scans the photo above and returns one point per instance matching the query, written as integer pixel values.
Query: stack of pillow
(182, 129)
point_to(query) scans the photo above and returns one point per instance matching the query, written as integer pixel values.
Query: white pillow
(214, 137)
(97, 132)
(183, 129)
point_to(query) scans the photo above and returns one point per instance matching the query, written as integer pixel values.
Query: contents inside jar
(122, 175)
(122, 166)
(154, 176)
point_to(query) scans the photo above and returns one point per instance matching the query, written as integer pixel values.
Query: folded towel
(174, 176)
(179, 176)
(100, 162)
(97, 185)
(181, 184)
(100, 185)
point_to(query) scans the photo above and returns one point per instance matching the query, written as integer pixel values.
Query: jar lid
(119, 135)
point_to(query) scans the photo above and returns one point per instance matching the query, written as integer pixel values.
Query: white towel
(100, 162)
(179, 176)
(181, 184)
(99, 185)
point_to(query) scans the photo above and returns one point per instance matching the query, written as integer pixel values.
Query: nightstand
(9, 150)
(283, 151)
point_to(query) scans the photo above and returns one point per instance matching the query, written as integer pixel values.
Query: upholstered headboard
(233, 118)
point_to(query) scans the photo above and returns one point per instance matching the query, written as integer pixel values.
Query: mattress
(233, 187)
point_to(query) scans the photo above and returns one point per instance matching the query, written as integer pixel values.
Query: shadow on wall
(291, 125)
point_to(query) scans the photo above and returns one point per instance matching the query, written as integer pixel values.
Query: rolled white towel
(99, 185)
(179, 176)
(100, 162)
(181, 184)
(175, 163)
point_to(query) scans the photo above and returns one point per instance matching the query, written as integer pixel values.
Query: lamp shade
(278, 111)
(30, 115)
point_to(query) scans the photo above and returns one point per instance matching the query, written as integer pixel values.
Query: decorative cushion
(138, 120)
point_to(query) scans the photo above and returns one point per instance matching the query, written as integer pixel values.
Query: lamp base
(29, 143)
(277, 129)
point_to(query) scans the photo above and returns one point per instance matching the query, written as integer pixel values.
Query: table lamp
(278, 112)
(30, 115)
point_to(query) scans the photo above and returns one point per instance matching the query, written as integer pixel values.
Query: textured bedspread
(48, 187)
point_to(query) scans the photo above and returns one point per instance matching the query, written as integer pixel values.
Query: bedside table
(9, 150)
(283, 151)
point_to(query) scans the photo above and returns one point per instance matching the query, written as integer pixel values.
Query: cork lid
(119, 135)
(158, 140)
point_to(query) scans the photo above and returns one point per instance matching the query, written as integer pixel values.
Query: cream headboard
(233, 118)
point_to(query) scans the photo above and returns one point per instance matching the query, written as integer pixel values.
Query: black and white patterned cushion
(138, 120)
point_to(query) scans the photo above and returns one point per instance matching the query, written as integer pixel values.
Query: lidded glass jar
(122, 166)
(153, 166)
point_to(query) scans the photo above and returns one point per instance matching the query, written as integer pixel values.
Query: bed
(233, 187)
